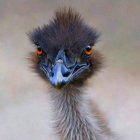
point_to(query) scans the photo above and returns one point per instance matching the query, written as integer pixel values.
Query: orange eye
(88, 50)
(39, 50)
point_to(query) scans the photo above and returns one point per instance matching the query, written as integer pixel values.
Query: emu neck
(73, 121)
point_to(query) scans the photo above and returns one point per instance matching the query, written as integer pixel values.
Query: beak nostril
(52, 74)
(66, 74)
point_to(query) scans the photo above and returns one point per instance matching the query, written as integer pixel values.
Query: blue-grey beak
(60, 74)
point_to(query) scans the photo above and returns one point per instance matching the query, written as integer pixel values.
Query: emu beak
(60, 75)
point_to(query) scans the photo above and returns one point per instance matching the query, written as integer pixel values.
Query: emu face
(65, 49)
(64, 67)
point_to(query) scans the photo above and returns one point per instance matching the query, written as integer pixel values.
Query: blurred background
(24, 105)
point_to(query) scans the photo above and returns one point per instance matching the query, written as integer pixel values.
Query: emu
(65, 58)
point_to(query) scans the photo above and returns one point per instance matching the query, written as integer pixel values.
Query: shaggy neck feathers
(73, 117)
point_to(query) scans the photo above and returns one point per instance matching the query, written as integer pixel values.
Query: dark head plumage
(65, 38)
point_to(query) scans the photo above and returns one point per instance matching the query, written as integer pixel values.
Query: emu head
(65, 50)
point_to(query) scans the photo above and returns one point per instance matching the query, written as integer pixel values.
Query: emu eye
(39, 50)
(88, 50)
